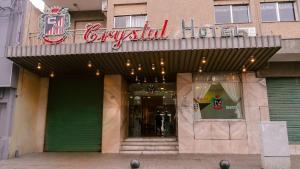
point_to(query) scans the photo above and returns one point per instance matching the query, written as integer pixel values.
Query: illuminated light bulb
(200, 69)
(252, 59)
(132, 72)
(97, 72)
(153, 67)
(128, 63)
(244, 69)
(52, 74)
(39, 66)
(140, 67)
(164, 80)
(90, 64)
(162, 61)
(203, 60)
(163, 71)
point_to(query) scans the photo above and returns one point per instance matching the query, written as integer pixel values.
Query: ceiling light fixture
(244, 69)
(200, 69)
(97, 72)
(153, 67)
(140, 67)
(89, 64)
(128, 62)
(203, 60)
(39, 66)
(252, 59)
(132, 72)
(162, 61)
(52, 74)
(163, 71)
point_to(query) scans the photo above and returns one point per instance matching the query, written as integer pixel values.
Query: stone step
(149, 152)
(149, 148)
(149, 143)
(151, 139)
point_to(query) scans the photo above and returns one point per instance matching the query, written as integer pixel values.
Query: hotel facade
(155, 76)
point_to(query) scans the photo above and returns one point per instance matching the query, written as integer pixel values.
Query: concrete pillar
(256, 109)
(29, 118)
(42, 113)
(185, 112)
(115, 115)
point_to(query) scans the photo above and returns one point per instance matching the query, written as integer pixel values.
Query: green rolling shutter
(74, 116)
(284, 103)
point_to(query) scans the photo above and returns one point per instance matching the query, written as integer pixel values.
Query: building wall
(11, 17)
(176, 12)
(31, 25)
(202, 11)
(222, 136)
(30, 114)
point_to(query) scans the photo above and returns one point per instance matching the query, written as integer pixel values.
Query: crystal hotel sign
(55, 24)
(96, 33)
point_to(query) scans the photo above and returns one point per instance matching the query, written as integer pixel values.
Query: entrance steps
(148, 145)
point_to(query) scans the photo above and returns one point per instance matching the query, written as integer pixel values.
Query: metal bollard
(135, 164)
(224, 164)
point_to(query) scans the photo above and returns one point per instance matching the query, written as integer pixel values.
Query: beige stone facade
(208, 136)
(222, 136)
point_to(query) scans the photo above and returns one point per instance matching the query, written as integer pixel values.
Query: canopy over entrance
(179, 55)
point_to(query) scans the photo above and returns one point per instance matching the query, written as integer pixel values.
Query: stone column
(114, 114)
(42, 113)
(256, 109)
(185, 112)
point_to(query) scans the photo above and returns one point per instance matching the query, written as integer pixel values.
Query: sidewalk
(117, 161)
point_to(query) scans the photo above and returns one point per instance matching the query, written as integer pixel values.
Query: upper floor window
(129, 21)
(232, 14)
(278, 11)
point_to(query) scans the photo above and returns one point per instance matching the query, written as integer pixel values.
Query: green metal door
(284, 103)
(74, 116)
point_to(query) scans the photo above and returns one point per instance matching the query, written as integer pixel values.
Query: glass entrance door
(152, 110)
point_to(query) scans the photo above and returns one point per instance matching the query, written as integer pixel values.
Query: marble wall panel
(238, 130)
(185, 113)
(111, 114)
(221, 146)
(202, 130)
(220, 130)
(238, 146)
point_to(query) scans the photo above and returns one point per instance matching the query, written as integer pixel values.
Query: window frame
(278, 19)
(242, 97)
(231, 14)
(130, 20)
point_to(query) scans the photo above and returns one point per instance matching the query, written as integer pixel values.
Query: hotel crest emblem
(54, 25)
